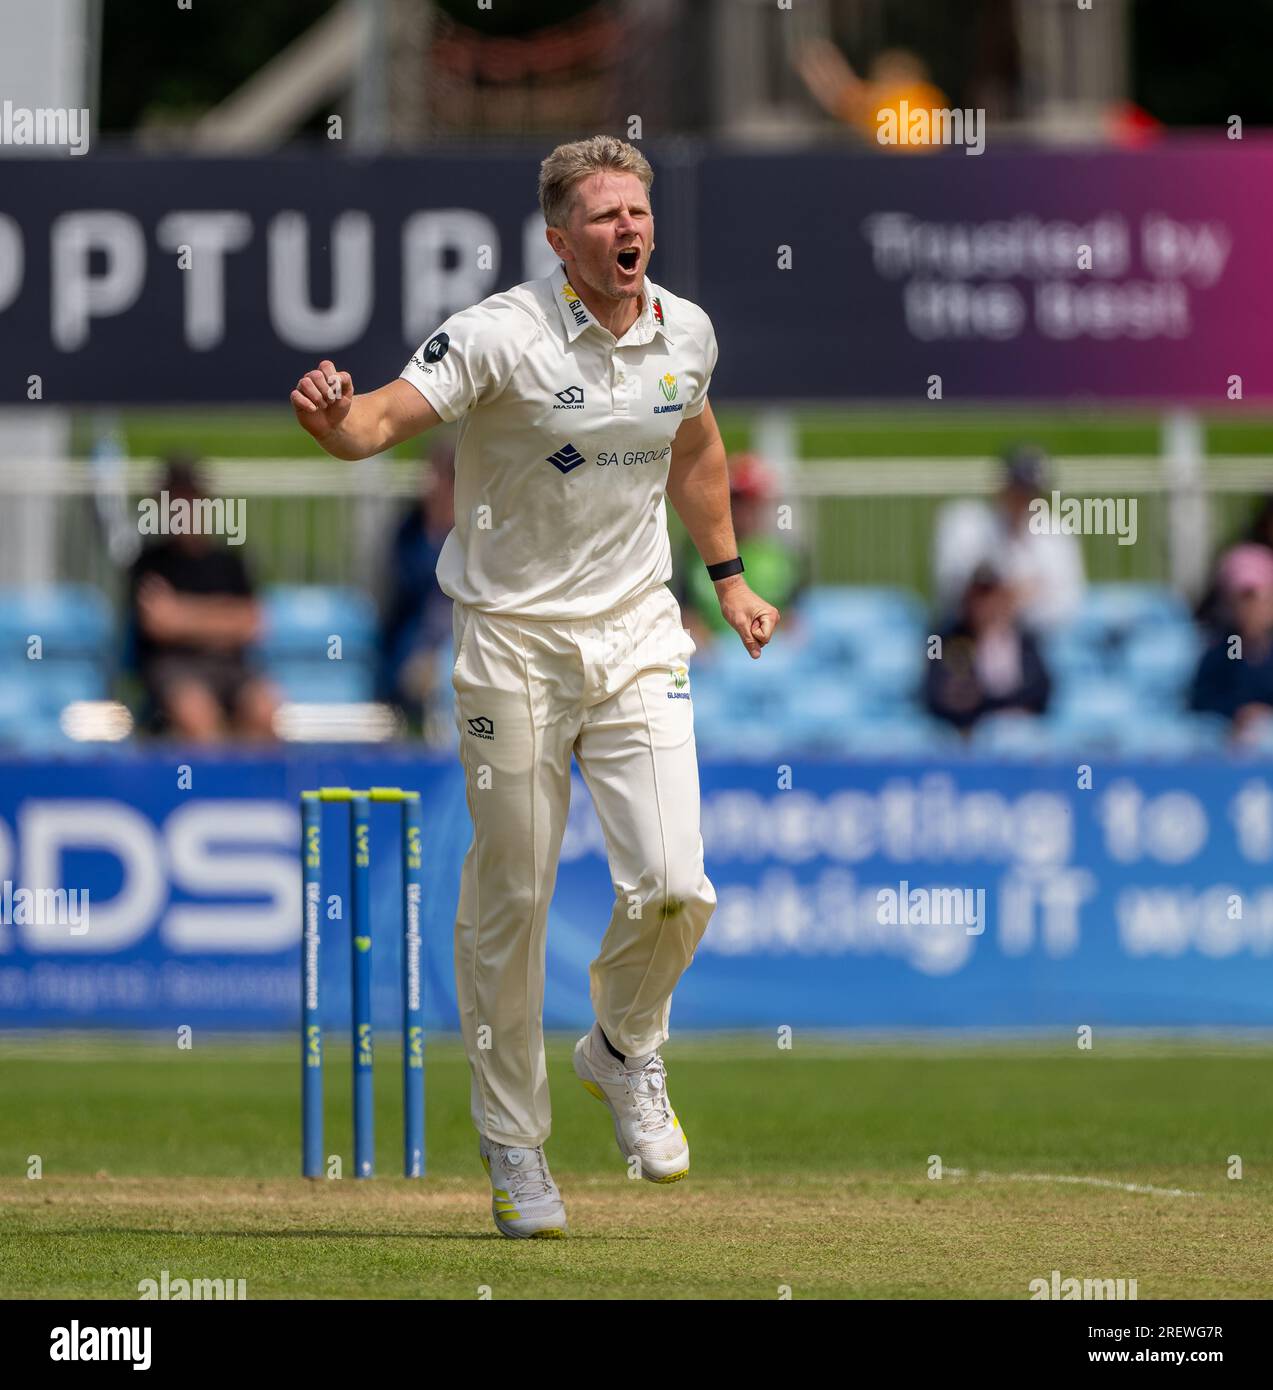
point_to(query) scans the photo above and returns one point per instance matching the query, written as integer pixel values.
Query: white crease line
(1085, 1182)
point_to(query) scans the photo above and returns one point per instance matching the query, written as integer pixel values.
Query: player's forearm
(362, 432)
(217, 620)
(699, 490)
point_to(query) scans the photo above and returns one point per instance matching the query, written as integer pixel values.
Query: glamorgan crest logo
(668, 388)
(679, 678)
(575, 304)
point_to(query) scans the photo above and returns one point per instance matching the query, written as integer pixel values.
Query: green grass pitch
(810, 1173)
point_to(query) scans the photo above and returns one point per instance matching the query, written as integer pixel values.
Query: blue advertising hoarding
(1141, 901)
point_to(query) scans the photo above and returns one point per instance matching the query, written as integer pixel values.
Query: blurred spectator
(895, 76)
(417, 614)
(1044, 570)
(195, 616)
(1213, 609)
(1238, 685)
(773, 567)
(989, 663)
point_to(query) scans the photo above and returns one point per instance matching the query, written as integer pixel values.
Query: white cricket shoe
(645, 1125)
(524, 1199)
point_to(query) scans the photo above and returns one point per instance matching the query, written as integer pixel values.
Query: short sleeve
(471, 356)
(695, 407)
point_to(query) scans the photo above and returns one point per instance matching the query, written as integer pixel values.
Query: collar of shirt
(576, 318)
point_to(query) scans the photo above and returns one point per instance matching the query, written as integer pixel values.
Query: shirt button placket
(619, 391)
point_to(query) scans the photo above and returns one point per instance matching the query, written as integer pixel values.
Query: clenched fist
(322, 399)
(747, 613)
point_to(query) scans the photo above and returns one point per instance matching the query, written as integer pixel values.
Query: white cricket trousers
(613, 691)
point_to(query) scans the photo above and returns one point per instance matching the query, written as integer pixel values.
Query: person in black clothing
(1235, 680)
(1213, 610)
(195, 615)
(989, 663)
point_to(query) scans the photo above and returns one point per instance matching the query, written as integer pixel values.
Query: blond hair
(568, 164)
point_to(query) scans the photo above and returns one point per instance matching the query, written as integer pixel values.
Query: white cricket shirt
(564, 445)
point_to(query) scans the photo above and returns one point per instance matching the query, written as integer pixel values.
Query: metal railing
(862, 520)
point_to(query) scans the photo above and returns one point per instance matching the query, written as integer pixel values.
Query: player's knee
(684, 894)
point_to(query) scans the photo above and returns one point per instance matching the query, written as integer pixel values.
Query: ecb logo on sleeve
(437, 347)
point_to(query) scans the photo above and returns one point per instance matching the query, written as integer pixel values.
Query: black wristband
(725, 568)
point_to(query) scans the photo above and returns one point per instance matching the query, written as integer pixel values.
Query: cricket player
(582, 404)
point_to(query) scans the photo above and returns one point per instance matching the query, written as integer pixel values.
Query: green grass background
(810, 1172)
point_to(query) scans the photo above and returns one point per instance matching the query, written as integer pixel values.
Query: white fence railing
(863, 520)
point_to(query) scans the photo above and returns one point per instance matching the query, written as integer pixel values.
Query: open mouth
(629, 258)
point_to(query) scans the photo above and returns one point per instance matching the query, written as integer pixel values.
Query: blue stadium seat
(861, 606)
(51, 684)
(1113, 612)
(17, 711)
(1097, 703)
(324, 682)
(744, 738)
(842, 621)
(1161, 660)
(907, 733)
(71, 620)
(60, 683)
(823, 701)
(1073, 654)
(891, 665)
(1076, 733)
(300, 619)
(729, 677)
(300, 622)
(1172, 735)
(1009, 735)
